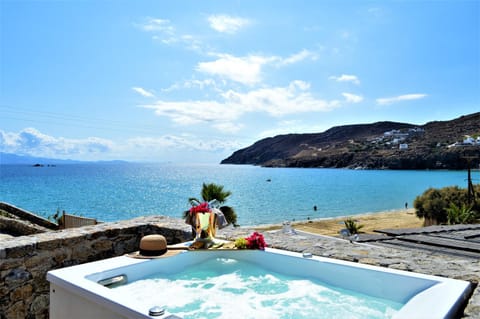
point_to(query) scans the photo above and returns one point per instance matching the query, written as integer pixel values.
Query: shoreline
(331, 226)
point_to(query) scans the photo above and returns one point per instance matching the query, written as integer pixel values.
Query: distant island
(453, 144)
(16, 159)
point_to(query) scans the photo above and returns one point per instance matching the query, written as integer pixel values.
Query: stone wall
(25, 260)
(25, 215)
(19, 227)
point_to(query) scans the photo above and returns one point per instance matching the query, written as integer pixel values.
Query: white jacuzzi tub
(77, 292)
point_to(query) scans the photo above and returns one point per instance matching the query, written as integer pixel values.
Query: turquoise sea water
(112, 192)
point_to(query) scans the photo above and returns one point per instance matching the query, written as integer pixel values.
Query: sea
(118, 191)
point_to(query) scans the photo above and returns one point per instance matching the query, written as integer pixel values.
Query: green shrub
(434, 203)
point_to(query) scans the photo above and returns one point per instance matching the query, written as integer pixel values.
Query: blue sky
(192, 81)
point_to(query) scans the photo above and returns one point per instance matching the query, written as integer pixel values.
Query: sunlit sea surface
(111, 192)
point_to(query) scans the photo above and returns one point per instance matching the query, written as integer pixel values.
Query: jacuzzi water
(249, 284)
(231, 288)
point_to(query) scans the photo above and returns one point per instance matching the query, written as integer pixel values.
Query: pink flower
(256, 241)
(202, 208)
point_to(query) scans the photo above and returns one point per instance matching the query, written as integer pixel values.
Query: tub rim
(441, 300)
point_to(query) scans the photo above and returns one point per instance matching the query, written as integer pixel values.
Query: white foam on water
(226, 288)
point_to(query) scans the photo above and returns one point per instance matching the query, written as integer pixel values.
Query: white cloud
(228, 127)
(201, 84)
(279, 101)
(179, 148)
(301, 85)
(227, 24)
(352, 98)
(395, 99)
(245, 70)
(157, 25)
(32, 142)
(196, 112)
(164, 32)
(298, 57)
(167, 147)
(192, 84)
(178, 142)
(191, 42)
(143, 92)
(276, 101)
(346, 78)
(291, 126)
(248, 70)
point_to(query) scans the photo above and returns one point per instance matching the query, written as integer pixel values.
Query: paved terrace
(456, 240)
(434, 261)
(25, 260)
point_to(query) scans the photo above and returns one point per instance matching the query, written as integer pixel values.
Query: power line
(66, 120)
(63, 119)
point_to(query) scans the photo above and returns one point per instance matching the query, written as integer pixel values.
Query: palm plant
(460, 214)
(352, 226)
(214, 192)
(211, 192)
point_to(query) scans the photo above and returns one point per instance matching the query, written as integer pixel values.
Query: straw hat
(154, 246)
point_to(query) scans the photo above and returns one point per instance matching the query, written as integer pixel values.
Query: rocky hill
(388, 145)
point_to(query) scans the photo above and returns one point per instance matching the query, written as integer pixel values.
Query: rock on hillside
(387, 145)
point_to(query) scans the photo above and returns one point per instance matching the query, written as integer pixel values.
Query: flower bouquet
(254, 241)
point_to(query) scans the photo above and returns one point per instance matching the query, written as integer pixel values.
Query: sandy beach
(404, 218)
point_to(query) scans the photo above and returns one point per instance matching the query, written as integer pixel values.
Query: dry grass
(331, 227)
